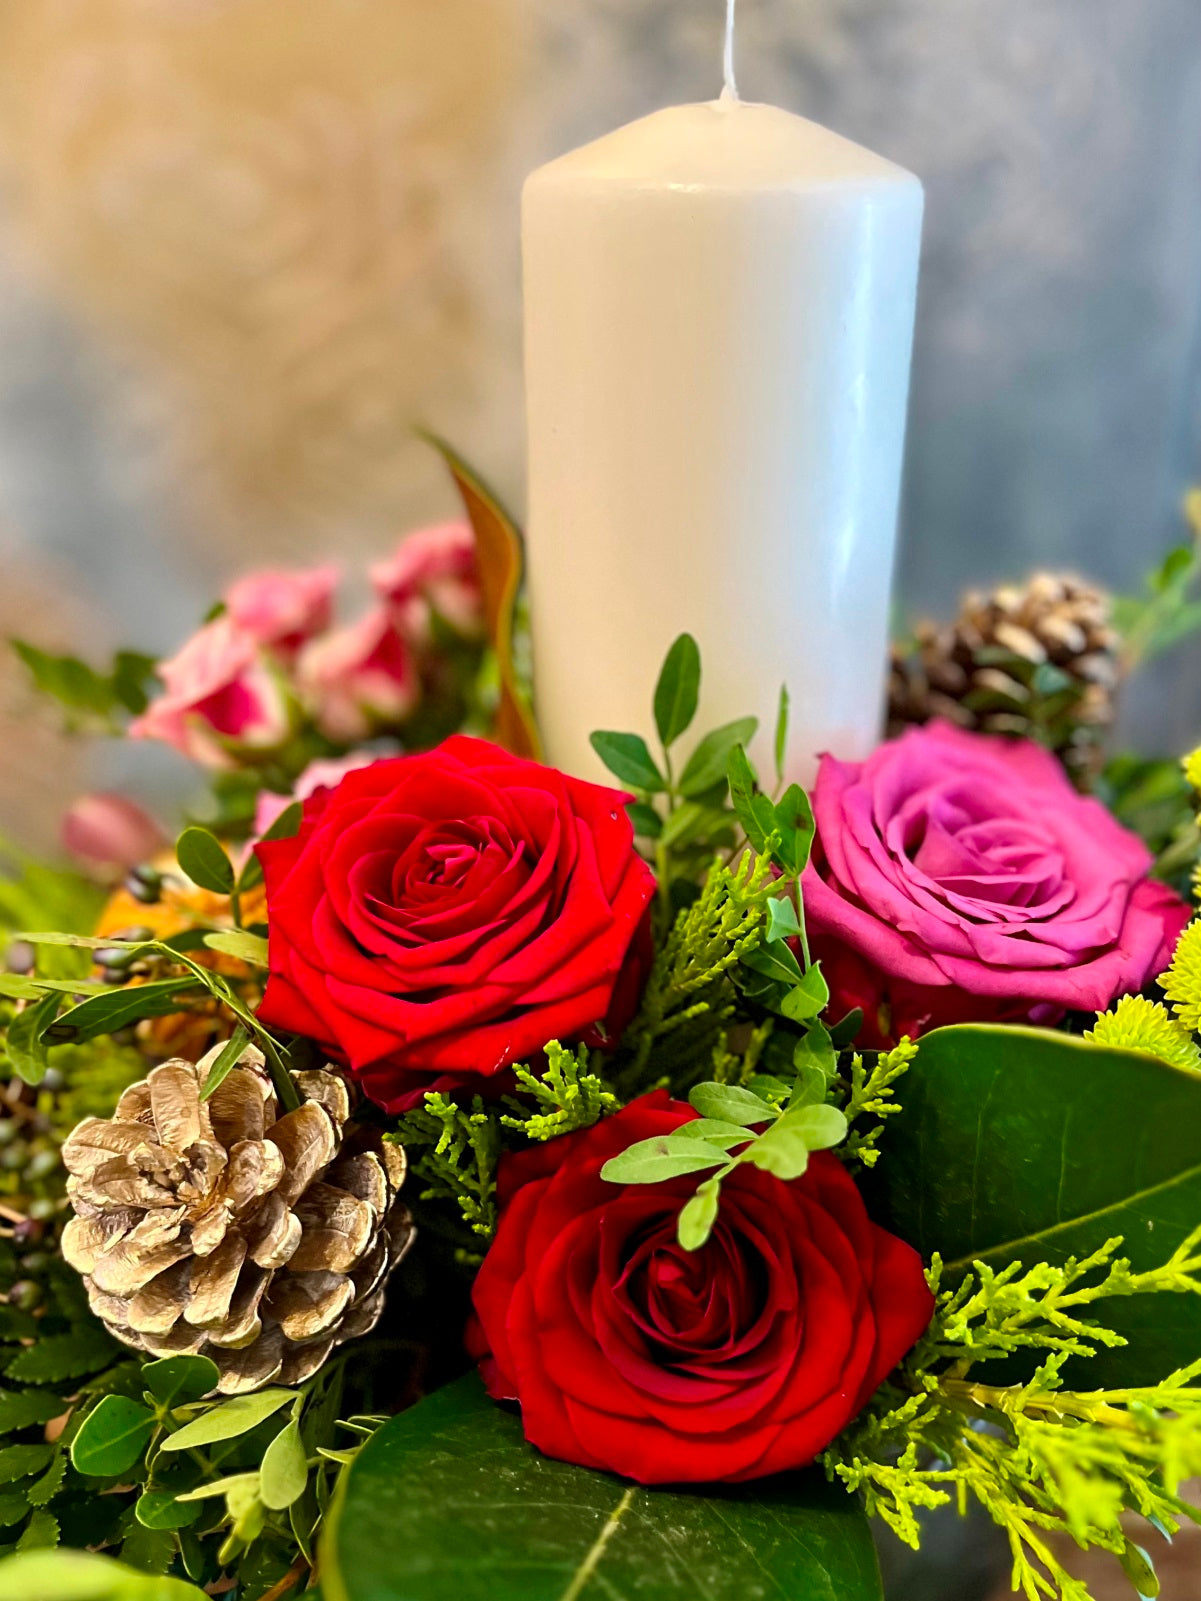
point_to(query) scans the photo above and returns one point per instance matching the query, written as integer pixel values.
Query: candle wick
(730, 87)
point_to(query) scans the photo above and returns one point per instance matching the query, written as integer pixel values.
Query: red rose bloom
(629, 1353)
(451, 913)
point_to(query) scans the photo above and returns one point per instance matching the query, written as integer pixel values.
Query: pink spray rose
(433, 570)
(325, 774)
(109, 834)
(283, 609)
(221, 699)
(360, 679)
(959, 876)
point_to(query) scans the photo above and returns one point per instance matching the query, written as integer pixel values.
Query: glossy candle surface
(719, 305)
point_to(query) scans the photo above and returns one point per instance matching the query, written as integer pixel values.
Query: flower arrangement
(435, 1173)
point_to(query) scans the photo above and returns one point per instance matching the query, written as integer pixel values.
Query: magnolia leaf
(1021, 1145)
(627, 757)
(698, 1216)
(498, 546)
(285, 1469)
(730, 1104)
(707, 764)
(664, 1157)
(781, 744)
(236, 942)
(113, 1436)
(176, 1380)
(447, 1502)
(203, 858)
(228, 1419)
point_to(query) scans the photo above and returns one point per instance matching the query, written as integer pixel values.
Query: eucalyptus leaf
(228, 1419)
(816, 1051)
(286, 824)
(646, 820)
(730, 1104)
(236, 942)
(284, 1472)
(663, 1157)
(1018, 1144)
(678, 689)
(794, 822)
(714, 1131)
(627, 757)
(113, 1436)
(707, 764)
(176, 1380)
(203, 858)
(447, 1502)
(162, 1509)
(754, 811)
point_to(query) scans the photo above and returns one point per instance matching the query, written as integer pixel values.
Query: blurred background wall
(245, 244)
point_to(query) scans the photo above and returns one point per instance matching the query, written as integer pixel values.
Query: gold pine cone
(1038, 660)
(221, 1228)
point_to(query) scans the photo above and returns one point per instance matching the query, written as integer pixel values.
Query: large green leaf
(1019, 1144)
(448, 1503)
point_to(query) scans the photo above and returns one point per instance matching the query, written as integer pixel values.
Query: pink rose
(327, 774)
(109, 834)
(221, 699)
(971, 881)
(433, 570)
(283, 609)
(358, 680)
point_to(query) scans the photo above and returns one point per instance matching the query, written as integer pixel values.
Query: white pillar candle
(719, 307)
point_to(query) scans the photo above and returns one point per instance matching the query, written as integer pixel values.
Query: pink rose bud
(433, 570)
(359, 680)
(222, 702)
(283, 609)
(109, 834)
(324, 774)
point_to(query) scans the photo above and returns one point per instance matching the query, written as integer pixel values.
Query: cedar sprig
(871, 1100)
(455, 1149)
(1039, 1458)
(567, 1095)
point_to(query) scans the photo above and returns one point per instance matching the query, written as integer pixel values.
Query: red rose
(451, 913)
(629, 1353)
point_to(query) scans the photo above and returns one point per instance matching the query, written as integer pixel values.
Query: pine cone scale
(220, 1226)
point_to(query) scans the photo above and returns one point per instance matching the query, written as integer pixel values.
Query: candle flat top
(724, 144)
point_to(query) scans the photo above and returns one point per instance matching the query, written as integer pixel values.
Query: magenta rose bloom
(961, 876)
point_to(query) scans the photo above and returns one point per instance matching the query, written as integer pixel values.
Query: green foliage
(871, 1097)
(778, 1139)
(568, 1094)
(92, 702)
(1018, 1144)
(205, 860)
(85, 1576)
(1040, 1457)
(454, 1150)
(1137, 1024)
(1167, 611)
(1152, 798)
(449, 1503)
